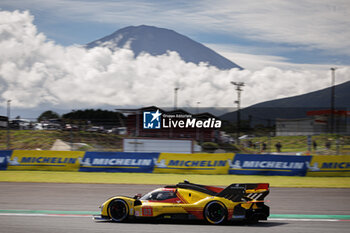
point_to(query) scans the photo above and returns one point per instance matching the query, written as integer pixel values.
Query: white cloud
(311, 24)
(254, 62)
(34, 71)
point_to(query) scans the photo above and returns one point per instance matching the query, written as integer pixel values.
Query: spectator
(264, 146)
(278, 146)
(328, 145)
(257, 146)
(314, 144)
(250, 143)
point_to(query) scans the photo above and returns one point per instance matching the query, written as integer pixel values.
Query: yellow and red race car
(192, 201)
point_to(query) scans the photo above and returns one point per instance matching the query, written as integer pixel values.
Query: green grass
(299, 144)
(146, 178)
(44, 139)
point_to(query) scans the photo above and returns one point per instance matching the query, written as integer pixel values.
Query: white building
(295, 127)
(3, 122)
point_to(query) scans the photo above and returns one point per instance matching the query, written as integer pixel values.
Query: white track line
(304, 219)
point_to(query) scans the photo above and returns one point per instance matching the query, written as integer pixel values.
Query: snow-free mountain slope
(157, 41)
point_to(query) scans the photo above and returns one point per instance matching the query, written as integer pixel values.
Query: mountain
(294, 107)
(157, 41)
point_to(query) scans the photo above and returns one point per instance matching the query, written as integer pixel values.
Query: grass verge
(149, 178)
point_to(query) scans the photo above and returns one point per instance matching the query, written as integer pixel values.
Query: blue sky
(253, 32)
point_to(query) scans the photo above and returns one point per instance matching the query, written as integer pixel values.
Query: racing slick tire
(215, 213)
(118, 210)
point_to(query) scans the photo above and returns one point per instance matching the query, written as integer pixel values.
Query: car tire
(118, 210)
(215, 213)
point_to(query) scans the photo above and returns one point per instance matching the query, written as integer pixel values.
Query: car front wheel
(118, 210)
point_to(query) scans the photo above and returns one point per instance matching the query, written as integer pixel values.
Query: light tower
(8, 123)
(239, 86)
(332, 99)
(175, 97)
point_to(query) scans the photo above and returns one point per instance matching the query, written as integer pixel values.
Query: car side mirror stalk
(137, 196)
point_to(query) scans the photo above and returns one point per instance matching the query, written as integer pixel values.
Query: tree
(48, 115)
(210, 146)
(96, 117)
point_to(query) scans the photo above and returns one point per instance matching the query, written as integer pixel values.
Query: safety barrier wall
(202, 163)
(118, 162)
(329, 165)
(262, 164)
(4, 154)
(193, 163)
(43, 160)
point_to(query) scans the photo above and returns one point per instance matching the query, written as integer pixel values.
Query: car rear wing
(245, 192)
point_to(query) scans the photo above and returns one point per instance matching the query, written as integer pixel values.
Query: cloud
(307, 25)
(246, 58)
(312, 23)
(35, 71)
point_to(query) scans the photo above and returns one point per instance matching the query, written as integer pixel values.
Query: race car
(192, 201)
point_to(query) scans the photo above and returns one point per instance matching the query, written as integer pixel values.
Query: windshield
(158, 195)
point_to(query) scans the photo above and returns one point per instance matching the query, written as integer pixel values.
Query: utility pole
(8, 123)
(239, 86)
(197, 109)
(197, 130)
(175, 97)
(332, 100)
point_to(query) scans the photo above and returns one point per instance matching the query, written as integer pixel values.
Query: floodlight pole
(175, 97)
(8, 123)
(332, 100)
(238, 102)
(198, 103)
(197, 130)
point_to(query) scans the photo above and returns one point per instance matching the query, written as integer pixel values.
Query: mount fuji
(157, 41)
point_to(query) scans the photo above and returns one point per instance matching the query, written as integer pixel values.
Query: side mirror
(137, 196)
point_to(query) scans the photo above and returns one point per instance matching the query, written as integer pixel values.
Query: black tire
(118, 210)
(215, 213)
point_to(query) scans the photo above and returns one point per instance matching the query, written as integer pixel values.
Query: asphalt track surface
(87, 197)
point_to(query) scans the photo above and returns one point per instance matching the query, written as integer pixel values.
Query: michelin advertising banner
(77, 161)
(193, 163)
(5, 155)
(118, 162)
(201, 163)
(329, 165)
(44, 160)
(270, 165)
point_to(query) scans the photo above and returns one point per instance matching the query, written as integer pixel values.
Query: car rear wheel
(118, 210)
(215, 212)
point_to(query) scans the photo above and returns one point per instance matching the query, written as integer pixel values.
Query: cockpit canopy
(159, 195)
